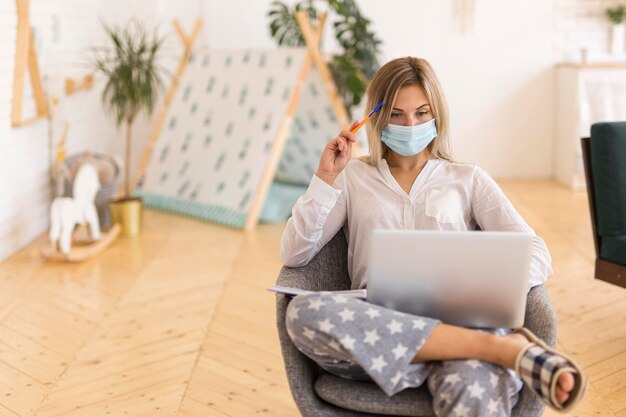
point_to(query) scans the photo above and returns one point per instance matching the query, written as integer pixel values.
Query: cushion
(367, 397)
(608, 166)
(280, 200)
(614, 249)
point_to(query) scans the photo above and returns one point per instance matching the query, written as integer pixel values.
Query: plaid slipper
(540, 367)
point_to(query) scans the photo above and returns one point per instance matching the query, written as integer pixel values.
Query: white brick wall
(63, 29)
(582, 24)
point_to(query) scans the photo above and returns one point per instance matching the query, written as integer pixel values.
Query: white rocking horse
(66, 213)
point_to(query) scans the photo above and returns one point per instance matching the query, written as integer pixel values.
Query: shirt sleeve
(316, 217)
(492, 210)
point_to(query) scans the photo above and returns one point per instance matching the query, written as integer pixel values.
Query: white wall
(497, 78)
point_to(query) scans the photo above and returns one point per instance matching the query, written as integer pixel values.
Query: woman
(410, 181)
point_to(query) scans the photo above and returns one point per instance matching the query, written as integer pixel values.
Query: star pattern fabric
(346, 315)
(371, 337)
(358, 340)
(484, 389)
(372, 342)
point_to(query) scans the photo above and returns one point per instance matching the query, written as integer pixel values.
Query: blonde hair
(385, 86)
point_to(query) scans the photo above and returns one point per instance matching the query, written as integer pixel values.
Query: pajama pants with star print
(354, 339)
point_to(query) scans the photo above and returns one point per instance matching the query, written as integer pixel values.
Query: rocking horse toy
(68, 212)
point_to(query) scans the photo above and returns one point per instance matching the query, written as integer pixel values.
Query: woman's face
(411, 107)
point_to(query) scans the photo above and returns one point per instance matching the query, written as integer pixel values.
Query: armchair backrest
(332, 259)
(607, 148)
(327, 271)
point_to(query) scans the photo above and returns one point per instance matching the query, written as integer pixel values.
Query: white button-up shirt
(445, 196)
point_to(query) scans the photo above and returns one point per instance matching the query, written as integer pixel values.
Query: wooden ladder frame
(313, 38)
(26, 56)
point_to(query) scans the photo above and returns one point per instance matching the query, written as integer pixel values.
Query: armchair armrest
(540, 318)
(327, 271)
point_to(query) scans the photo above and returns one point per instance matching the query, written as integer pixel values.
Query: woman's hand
(336, 155)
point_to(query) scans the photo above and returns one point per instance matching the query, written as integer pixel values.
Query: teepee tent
(233, 122)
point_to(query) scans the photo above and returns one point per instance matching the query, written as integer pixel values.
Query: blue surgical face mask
(409, 140)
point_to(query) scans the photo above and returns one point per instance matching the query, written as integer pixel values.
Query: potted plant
(618, 32)
(133, 84)
(356, 63)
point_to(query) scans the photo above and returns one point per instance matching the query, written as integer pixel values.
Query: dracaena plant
(358, 60)
(134, 78)
(617, 14)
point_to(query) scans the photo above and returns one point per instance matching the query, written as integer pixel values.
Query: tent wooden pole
(188, 42)
(277, 149)
(21, 60)
(312, 44)
(26, 57)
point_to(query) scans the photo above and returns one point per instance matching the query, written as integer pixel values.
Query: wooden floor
(178, 322)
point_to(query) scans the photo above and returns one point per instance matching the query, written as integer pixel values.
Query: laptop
(473, 279)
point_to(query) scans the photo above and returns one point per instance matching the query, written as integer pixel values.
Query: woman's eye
(395, 114)
(422, 113)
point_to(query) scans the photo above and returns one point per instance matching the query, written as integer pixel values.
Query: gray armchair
(320, 394)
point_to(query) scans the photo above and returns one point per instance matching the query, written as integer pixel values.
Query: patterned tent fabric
(221, 127)
(315, 124)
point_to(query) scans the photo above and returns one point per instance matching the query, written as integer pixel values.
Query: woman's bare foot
(565, 386)
(515, 342)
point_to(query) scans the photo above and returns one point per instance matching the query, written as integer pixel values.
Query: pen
(357, 127)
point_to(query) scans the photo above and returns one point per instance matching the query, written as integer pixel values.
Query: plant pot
(128, 213)
(618, 36)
